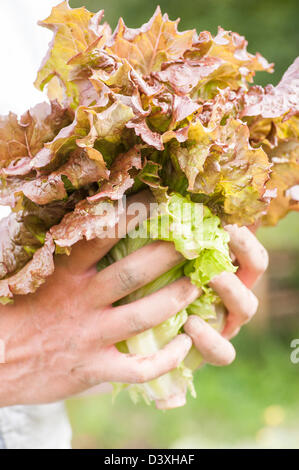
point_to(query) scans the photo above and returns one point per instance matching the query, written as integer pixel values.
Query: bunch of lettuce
(151, 107)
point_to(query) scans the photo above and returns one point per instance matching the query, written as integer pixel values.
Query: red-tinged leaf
(81, 169)
(89, 125)
(8, 188)
(220, 163)
(184, 75)
(120, 176)
(153, 139)
(88, 220)
(23, 138)
(284, 179)
(273, 102)
(19, 167)
(181, 135)
(74, 31)
(155, 42)
(183, 107)
(18, 241)
(32, 275)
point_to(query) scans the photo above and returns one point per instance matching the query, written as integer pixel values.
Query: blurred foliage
(232, 407)
(270, 26)
(284, 236)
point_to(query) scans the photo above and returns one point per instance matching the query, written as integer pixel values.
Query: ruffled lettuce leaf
(28, 279)
(273, 121)
(155, 42)
(79, 171)
(220, 164)
(284, 182)
(213, 63)
(21, 139)
(21, 236)
(275, 102)
(75, 30)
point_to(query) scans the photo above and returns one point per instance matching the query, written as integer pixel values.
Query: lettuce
(197, 234)
(152, 107)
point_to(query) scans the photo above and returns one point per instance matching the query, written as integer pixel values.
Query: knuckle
(223, 281)
(177, 301)
(183, 294)
(127, 278)
(254, 305)
(174, 362)
(176, 351)
(250, 307)
(227, 288)
(245, 243)
(173, 358)
(141, 376)
(138, 323)
(261, 260)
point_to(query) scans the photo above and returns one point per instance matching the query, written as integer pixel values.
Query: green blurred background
(255, 401)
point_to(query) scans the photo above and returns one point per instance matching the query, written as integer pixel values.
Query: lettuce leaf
(28, 279)
(273, 121)
(219, 162)
(21, 139)
(148, 47)
(75, 30)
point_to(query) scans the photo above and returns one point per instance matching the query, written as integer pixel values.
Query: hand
(241, 303)
(60, 341)
(234, 290)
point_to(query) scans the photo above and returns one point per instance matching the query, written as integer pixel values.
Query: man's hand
(60, 341)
